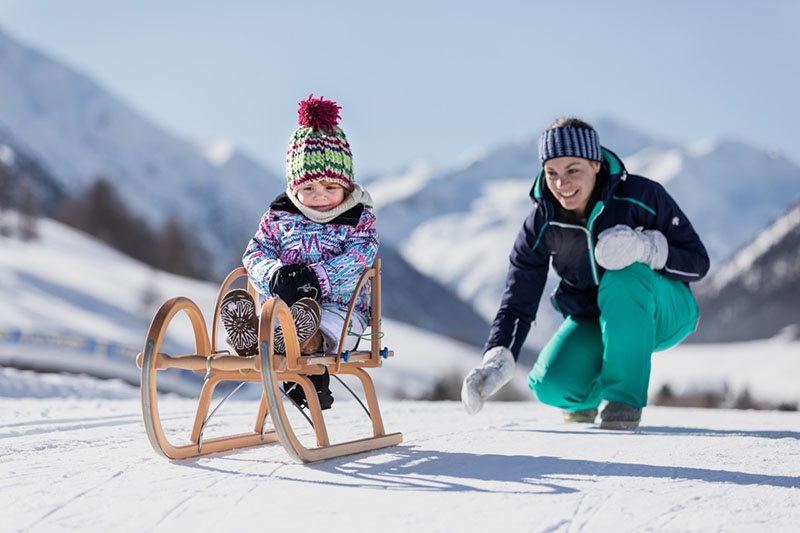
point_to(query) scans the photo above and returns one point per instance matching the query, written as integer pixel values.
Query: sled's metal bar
(214, 410)
(353, 393)
(299, 407)
(149, 425)
(264, 425)
(273, 401)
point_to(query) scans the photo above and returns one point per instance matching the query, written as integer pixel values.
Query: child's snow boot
(321, 384)
(618, 415)
(238, 314)
(306, 316)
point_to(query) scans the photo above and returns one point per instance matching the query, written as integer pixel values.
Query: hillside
(91, 312)
(756, 293)
(77, 131)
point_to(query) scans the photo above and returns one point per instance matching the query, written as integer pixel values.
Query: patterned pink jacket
(338, 252)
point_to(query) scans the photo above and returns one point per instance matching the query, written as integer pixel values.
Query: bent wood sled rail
(270, 369)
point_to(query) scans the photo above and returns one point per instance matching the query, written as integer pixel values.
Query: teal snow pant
(589, 360)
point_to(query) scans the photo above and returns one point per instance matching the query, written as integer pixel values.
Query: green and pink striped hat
(318, 149)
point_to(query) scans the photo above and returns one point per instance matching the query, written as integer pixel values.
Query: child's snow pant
(589, 360)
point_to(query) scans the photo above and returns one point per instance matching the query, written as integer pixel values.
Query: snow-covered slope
(757, 293)
(79, 131)
(81, 462)
(68, 301)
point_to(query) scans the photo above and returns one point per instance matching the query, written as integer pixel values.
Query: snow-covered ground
(77, 459)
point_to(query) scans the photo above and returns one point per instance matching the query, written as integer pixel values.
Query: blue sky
(434, 79)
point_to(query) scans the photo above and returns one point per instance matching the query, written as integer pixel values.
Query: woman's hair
(570, 122)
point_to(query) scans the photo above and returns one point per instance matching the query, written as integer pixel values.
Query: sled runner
(270, 369)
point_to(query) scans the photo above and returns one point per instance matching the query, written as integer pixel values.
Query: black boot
(321, 383)
(618, 415)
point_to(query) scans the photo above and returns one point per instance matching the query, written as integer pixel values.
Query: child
(625, 253)
(311, 248)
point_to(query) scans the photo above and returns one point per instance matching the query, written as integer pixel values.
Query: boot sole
(238, 316)
(306, 317)
(625, 425)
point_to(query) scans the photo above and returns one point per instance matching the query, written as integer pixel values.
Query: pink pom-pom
(318, 113)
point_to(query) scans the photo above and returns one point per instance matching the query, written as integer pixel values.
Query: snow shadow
(702, 432)
(467, 472)
(415, 469)
(674, 430)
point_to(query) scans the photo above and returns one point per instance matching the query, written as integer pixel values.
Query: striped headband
(569, 141)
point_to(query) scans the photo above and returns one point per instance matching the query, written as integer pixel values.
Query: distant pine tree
(101, 212)
(178, 252)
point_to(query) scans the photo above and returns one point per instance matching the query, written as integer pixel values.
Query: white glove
(495, 371)
(621, 246)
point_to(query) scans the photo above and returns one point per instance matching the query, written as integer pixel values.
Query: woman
(625, 253)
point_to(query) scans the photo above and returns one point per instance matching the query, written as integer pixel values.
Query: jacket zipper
(588, 232)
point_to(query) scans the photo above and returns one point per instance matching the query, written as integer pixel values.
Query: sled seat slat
(233, 363)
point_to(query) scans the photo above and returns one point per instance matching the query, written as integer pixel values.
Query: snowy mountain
(454, 225)
(78, 131)
(731, 191)
(756, 293)
(460, 224)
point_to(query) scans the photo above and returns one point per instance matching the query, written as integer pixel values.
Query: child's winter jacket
(338, 252)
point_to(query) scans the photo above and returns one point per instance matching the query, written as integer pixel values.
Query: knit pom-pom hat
(318, 149)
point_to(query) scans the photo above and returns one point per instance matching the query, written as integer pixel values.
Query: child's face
(322, 195)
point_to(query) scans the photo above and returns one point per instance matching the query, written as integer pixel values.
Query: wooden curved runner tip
(277, 309)
(152, 350)
(149, 387)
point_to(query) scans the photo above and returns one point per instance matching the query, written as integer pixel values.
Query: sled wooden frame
(270, 369)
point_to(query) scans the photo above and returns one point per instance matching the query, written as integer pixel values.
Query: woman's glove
(621, 246)
(292, 282)
(495, 371)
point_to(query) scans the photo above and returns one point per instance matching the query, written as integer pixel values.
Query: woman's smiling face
(571, 180)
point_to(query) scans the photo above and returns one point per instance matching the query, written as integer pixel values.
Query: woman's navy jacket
(546, 236)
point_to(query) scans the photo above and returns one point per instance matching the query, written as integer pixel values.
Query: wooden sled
(268, 368)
